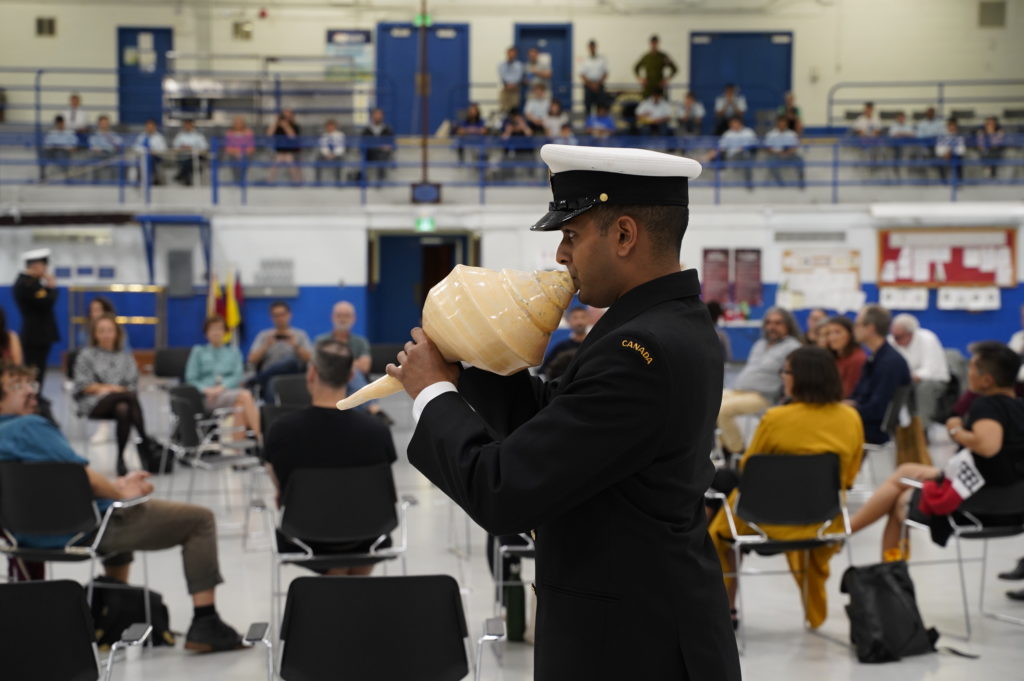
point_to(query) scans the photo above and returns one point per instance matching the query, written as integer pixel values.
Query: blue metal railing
(942, 94)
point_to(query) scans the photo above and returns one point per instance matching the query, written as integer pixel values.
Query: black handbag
(885, 624)
(117, 606)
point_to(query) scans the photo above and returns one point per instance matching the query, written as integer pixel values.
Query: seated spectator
(815, 318)
(791, 112)
(759, 384)
(813, 422)
(516, 133)
(930, 126)
(850, 356)
(77, 120)
(565, 136)
(950, 149)
(104, 144)
(783, 148)
(216, 370)
(538, 103)
(654, 114)
(378, 142)
(993, 432)
(151, 144)
(690, 115)
(926, 360)
(736, 145)
(471, 130)
(58, 144)
(10, 343)
(716, 312)
(579, 321)
(106, 387)
(287, 142)
(1017, 344)
(99, 306)
(191, 147)
(343, 320)
(239, 146)
(882, 374)
(330, 150)
(322, 436)
(991, 143)
(152, 526)
(900, 132)
(601, 125)
(278, 351)
(729, 105)
(555, 119)
(868, 124)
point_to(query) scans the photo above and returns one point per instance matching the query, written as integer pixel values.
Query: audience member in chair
(343, 320)
(321, 436)
(216, 369)
(883, 373)
(579, 321)
(153, 526)
(379, 146)
(926, 360)
(106, 384)
(280, 350)
(758, 385)
(98, 307)
(10, 343)
(850, 356)
(993, 432)
(814, 422)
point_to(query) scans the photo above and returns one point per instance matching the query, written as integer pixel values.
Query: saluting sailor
(609, 463)
(35, 293)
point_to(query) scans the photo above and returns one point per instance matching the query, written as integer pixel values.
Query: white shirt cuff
(429, 393)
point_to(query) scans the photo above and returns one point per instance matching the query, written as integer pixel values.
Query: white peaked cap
(644, 162)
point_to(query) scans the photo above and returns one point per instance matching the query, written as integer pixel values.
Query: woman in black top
(287, 145)
(993, 432)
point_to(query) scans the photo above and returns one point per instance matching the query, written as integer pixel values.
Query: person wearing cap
(606, 466)
(35, 292)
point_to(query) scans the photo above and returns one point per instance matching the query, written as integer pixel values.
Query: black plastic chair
(290, 390)
(170, 363)
(338, 506)
(55, 499)
(785, 489)
(377, 629)
(32, 633)
(972, 520)
(382, 354)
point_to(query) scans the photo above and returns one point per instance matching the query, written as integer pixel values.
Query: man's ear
(627, 233)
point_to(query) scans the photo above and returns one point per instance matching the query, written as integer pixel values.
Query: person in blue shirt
(58, 144)
(216, 370)
(600, 125)
(150, 526)
(883, 373)
(579, 320)
(104, 145)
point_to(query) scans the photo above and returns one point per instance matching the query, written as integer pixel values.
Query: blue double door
(398, 63)
(760, 64)
(141, 67)
(554, 40)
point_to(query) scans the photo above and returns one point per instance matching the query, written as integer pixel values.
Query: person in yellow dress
(815, 421)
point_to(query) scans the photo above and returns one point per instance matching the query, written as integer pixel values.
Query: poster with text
(716, 275)
(352, 54)
(747, 276)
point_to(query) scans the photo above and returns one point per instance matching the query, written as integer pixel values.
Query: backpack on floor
(885, 624)
(116, 606)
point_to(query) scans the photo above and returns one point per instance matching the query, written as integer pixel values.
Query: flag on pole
(214, 297)
(232, 308)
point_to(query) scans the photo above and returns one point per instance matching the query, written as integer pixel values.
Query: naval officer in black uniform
(35, 292)
(609, 464)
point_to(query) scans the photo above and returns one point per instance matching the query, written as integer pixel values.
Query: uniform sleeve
(504, 402)
(35, 296)
(606, 425)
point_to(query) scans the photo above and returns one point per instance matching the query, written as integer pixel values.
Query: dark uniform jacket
(35, 302)
(609, 465)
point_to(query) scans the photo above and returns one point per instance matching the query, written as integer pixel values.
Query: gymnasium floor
(778, 647)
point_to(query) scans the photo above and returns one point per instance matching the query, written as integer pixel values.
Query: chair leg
(963, 586)
(145, 596)
(741, 629)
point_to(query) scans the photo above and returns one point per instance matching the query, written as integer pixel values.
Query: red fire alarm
(263, 12)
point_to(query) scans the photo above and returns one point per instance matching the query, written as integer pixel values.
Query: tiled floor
(778, 647)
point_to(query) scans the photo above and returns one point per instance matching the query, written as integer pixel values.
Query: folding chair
(338, 506)
(969, 522)
(169, 370)
(784, 489)
(32, 633)
(376, 629)
(55, 499)
(198, 439)
(255, 497)
(290, 390)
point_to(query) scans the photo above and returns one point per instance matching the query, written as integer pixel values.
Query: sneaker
(104, 433)
(210, 634)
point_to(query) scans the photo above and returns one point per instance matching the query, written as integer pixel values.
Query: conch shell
(497, 321)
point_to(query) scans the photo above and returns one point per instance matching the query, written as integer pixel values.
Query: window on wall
(46, 26)
(242, 30)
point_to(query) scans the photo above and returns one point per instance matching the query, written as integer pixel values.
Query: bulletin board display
(947, 257)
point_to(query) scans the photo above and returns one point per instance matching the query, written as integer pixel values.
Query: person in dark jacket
(883, 373)
(607, 465)
(35, 292)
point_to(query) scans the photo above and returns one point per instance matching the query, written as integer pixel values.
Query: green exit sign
(422, 20)
(425, 224)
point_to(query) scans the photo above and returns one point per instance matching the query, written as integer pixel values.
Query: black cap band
(577, 191)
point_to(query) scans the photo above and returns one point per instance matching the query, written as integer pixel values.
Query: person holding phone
(279, 350)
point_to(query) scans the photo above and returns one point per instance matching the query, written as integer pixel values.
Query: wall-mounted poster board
(947, 257)
(820, 277)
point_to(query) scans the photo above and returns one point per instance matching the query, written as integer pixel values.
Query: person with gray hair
(883, 373)
(759, 385)
(929, 370)
(322, 436)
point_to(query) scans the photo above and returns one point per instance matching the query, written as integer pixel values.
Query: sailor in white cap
(607, 465)
(35, 292)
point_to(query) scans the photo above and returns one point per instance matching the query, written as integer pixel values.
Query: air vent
(835, 237)
(992, 14)
(46, 26)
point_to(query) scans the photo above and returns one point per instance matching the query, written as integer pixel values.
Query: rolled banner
(497, 321)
